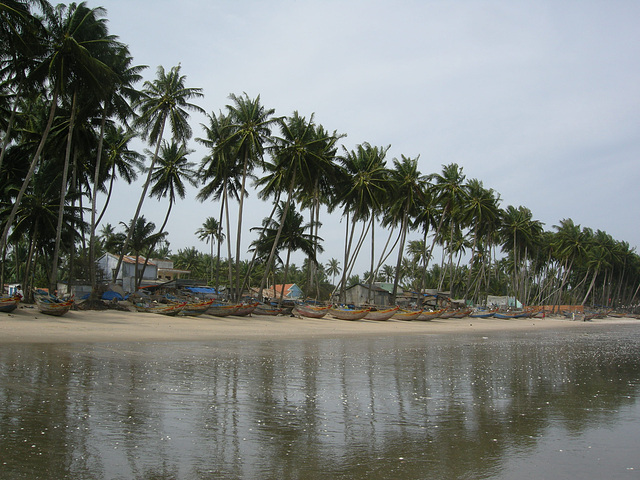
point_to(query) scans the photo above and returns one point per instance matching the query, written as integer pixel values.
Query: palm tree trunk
(94, 199)
(239, 232)
(403, 233)
(53, 280)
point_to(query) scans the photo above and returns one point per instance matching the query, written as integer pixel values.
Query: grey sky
(539, 100)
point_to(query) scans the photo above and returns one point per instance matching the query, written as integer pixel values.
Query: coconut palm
(408, 186)
(165, 99)
(141, 238)
(362, 190)
(333, 269)
(211, 230)
(249, 131)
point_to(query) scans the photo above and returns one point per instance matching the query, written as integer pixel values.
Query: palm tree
(408, 186)
(221, 175)
(166, 99)
(171, 169)
(249, 131)
(141, 237)
(362, 190)
(287, 231)
(211, 230)
(297, 152)
(333, 269)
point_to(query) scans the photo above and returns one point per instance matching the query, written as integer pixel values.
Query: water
(543, 405)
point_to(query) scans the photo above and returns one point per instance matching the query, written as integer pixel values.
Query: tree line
(73, 100)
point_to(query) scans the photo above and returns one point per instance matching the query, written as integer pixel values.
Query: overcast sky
(539, 100)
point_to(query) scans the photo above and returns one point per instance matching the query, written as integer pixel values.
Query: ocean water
(537, 405)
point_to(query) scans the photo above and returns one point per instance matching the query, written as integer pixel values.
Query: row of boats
(52, 305)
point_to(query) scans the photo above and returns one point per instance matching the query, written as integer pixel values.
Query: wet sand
(27, 325)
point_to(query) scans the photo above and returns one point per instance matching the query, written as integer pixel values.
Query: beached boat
(448, 313)
(264, 309)
(52, 305)
(8, 303)
(428, 316)
(462, 313)
(194, 309)
(310, 311)
(385, 314)
(245, 309)
(223, 309)
(510, 315)
(348, 313)
(402, 314)
(483, 313)
(170, 309)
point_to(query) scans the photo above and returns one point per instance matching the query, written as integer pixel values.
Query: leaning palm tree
(166, 99)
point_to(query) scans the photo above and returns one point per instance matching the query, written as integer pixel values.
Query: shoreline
(27, 325)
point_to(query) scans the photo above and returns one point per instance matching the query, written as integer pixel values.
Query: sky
(538, 100)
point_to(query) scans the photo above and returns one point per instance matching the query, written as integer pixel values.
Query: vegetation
(70, 106)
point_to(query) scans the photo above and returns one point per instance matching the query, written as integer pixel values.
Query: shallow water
(501, 406)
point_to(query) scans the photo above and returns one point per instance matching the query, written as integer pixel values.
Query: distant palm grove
(73, 100)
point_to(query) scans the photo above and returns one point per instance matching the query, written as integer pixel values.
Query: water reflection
(400, 407)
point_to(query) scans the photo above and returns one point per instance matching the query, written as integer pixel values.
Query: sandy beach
(27, 325)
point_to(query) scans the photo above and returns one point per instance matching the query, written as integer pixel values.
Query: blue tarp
(202, 290)
(110, 295)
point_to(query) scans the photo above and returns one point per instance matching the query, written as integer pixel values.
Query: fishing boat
(8, 303)
(245, 309)
(510, 315)
(448, 313)
(348, 313)
(194, 309)
(310, 311)
(483, 313)
(402, 314)
(462, 313)
(264, 309)
(385, 314)
(52, 305)
(170, 309)
(223, 309)
(428, 316)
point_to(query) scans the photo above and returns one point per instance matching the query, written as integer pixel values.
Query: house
(127, 274)
(358, 294)
(289, 291)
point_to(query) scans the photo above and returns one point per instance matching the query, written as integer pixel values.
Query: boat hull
(9, 304)
(381, 315)
(407, 314)
(345, 314)
(309, 311)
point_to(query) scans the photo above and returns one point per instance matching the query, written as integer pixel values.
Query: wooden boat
(245, 309)
(170, 309)
(407, 314)
(483, 313)
(310, 311)
(223, 309)
(510, 315)
(462, 313)
(264, 309)
(348, 313)
(9, 303)
(448, 313)
(385, 314)
(52, 305)
(428, 316)
(194, 309)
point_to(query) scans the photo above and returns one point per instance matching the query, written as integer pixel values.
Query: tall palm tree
(297, 152)
(221, 176)
(333, 269)
(408, 186)
(210, 231)
(249, 131)
(165, 99)
(362, 190)
(141, 236)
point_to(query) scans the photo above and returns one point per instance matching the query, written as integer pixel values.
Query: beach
(28, 325)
